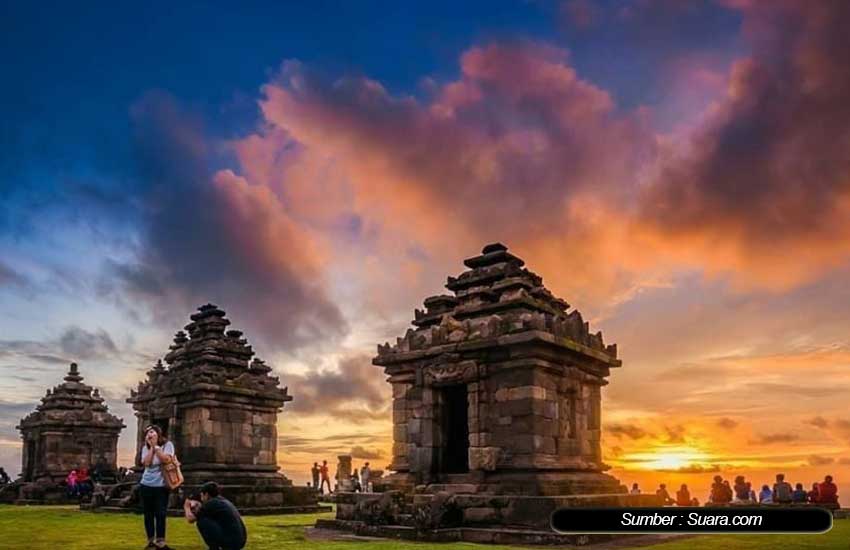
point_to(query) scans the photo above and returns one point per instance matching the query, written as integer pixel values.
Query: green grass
(66, 528)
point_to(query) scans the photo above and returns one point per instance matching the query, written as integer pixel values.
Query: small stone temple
(218, 404)
(496, 412)
(71, 429)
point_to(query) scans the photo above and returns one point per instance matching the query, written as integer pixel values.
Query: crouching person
(217, 519)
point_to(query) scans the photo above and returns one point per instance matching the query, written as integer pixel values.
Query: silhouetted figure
(663, 495)
(766, 495)
(827, 492)
(4, 477)
(314, 471)
(326, 477)
(635, 489)
(365, 478)
(683, 496)
(782, 490)
(799, 495)
(721, 492)
(813, 494)
(742, 489)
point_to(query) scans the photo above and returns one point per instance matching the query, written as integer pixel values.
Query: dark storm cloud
(209, 236)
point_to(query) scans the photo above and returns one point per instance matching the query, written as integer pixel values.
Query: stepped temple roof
(496, 298)
(71, 403)
(205, 353)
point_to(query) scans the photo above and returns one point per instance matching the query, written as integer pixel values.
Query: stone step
(405, 520)
(462, 488)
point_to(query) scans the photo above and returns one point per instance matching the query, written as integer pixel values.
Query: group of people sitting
(824, 493)
(360, 482)
(79, 484)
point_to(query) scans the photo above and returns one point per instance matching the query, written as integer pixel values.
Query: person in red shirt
(326, 477)
(827, 492)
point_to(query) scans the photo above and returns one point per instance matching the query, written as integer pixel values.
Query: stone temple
(71, 429)
(218, 404)
(496, 413)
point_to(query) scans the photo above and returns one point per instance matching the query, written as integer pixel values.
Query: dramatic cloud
(817, 460)
(766, 180)
(727, 423)
(818, 422)
(367, 454)
(628, 430)
(210, 236)
(356, 391)
(74, 344)
(777, 438)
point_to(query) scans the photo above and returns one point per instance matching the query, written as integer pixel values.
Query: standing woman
(152, 489)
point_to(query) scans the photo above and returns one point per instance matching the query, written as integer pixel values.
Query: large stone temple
(219, 404)
(71, 429)
(496, 412)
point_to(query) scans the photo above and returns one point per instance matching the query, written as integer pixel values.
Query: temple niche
(71, 429)
(218, 404)
(496, 410)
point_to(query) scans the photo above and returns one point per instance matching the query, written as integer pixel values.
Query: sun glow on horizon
(667, 458)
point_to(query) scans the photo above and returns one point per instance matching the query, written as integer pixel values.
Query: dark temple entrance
(454, 426)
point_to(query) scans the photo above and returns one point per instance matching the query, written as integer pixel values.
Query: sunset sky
(678, 171)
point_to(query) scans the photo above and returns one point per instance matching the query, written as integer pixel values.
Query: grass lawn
(65, 528)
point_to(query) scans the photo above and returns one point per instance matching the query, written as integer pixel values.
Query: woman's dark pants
(155, 505)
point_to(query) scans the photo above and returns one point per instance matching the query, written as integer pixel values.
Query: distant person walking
(683, 496)
(782, 490)
(365, 478)
(314, 471)
(326, 477)
(217, 519)
(152, 489)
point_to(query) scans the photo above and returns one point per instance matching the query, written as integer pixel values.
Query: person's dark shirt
(225, 514)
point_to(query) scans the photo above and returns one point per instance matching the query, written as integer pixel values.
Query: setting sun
(667, 458)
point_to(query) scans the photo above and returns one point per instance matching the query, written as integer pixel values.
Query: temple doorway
(454, 427)
(31, 458)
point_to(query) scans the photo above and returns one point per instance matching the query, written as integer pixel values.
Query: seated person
(742, 489)
(766, 495)
(71, 486)
(218, 521)
(721, 493)
(799, 495)
(813, 494)
(782, 490)
(683, 496)
(827, 491)
(663, 495)
(4, 477)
